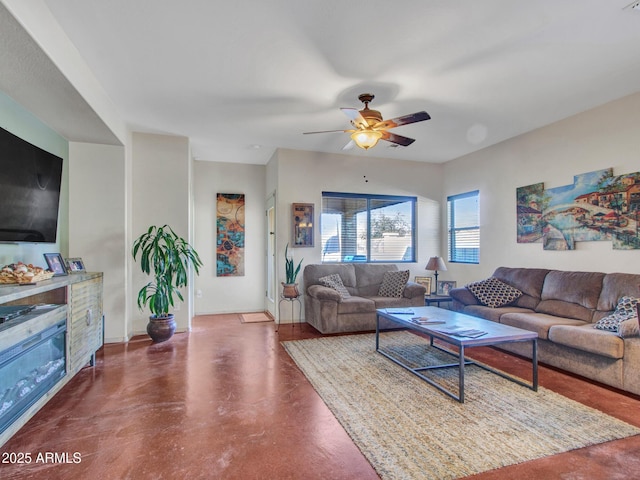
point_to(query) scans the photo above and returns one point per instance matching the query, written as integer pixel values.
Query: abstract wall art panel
(230, 235)
(597, 206)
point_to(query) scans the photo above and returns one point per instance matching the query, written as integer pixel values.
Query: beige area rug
(407, 429)
(254, 317)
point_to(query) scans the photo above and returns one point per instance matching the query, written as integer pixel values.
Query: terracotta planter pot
(290, 290)
(161, 329)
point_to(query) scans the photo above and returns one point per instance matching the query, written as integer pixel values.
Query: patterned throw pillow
(625, 309)
(335, 281)
(494, 293)
(393, 283)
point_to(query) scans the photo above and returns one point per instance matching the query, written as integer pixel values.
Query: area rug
(254, 317)
(407, 429)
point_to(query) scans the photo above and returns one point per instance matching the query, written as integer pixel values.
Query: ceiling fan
(369, 127)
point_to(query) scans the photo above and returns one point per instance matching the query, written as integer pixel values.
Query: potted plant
(166, 257)
(290, 287)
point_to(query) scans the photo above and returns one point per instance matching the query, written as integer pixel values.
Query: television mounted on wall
(30, 180)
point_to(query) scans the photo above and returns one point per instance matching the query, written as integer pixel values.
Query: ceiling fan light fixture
(366, 139)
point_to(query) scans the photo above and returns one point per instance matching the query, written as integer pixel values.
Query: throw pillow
(393, 283)
(494, 293)
(335, 281)
(625, 310)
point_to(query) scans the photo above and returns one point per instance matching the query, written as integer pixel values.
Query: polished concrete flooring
(226, 402)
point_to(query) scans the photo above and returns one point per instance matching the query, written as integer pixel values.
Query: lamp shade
(436, 264)
(366, 138)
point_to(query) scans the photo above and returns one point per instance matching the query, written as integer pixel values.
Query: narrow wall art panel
(230, 235)
(597, 206)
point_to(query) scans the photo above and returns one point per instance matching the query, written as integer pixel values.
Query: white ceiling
(233, 75)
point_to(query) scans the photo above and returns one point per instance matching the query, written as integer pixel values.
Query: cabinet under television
(48, 332)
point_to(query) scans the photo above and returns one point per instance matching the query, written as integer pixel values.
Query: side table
(437, 299)
(291, 301)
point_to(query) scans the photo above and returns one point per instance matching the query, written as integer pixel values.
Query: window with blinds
(367, 228)
(463, 224)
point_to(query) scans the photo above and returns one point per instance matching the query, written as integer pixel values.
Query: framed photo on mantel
(75, 265)
(302, 220)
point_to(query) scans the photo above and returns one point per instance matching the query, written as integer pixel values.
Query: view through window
(367, 228)
(463, 226)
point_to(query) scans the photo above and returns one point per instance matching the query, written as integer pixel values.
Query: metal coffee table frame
(461, 343)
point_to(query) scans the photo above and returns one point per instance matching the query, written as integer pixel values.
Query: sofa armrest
(412, 290)
(321, 292)
(464, 296)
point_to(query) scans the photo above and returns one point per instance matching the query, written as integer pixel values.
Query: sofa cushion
(494, 293)
(588, 339)
(616, 286)
(537, 322)
(492, 314)
(355, 304)
(571, 294)
(528, 280)
(334, 281)
(313, 272)
(393, 283)
(369, 277)
(392, 302)
(625, 310)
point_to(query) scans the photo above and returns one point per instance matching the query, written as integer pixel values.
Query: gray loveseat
(562, 308)
(328, 312)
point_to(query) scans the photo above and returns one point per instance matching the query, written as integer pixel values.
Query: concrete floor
(226, 402)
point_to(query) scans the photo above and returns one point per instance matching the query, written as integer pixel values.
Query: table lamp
(435, 264)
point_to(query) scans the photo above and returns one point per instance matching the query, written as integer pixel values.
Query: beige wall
(161, 195)
(97, 220)
(600, 138)
(229, 294)
(303, 176)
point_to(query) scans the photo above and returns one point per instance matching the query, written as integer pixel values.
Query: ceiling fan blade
(328, 131)
(397, 139)
(357, 120)
(349, 145)
(404, 120)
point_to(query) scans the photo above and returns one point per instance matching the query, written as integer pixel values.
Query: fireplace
(29, 369)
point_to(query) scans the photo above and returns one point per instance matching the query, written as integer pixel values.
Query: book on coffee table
(427, 321)
(462, 332)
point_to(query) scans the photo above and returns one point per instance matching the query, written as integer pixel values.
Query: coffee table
(493, 334)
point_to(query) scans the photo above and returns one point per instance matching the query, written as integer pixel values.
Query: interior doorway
(272, 288)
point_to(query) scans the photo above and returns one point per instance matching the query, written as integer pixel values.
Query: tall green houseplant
(167, 258)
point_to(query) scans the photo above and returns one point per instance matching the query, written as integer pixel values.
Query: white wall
(303, 176)
(161, 195)
(97, 220)
(230, 294)
(600, 138)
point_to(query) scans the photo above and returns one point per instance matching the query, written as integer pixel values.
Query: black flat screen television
(30, 181)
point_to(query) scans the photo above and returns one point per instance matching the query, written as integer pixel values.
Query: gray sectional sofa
(562, 308)
(327, 311)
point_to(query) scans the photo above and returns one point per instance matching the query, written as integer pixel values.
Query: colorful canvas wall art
(598, 206)
(230, 235)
